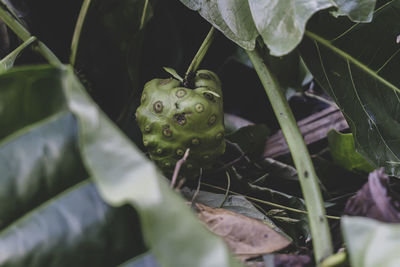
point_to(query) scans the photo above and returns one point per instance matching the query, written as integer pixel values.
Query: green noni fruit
(173, 118)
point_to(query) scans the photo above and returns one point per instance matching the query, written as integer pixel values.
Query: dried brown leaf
(247, 237)
(375, 199)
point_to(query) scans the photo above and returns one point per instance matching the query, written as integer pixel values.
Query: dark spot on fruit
(159, 151)
(195, 141)
(165, 81)
(147, 128)
(180, 152)
(209, 96)
(167, 164)
(180, 93)
(158, 107)
(176, 105)
(167, 131)
(205, 76)
(212, 120)
(306, 174)
(199, 107)
(180, 118)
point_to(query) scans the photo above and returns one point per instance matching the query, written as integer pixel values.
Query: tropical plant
(77, 187)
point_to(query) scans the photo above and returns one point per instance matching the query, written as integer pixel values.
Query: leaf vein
(365, 111)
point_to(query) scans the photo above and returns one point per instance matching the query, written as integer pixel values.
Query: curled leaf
(375, 200)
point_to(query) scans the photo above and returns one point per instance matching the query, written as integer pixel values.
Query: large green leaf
(357, 64)
(37, 164)
(75, 228)
(371, 243)
(281, 24)
(62, 223)
(22, 106)
(122, 173)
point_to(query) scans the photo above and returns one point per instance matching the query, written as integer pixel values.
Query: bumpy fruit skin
(173, 118)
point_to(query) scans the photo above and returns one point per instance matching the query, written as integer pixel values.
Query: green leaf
(168, 225)
(173, 73)
(22, 105)
(122, 173)
(281, 24)
(75, 228)
(37, 164)
(344, 153)
(371, 243)
(8, 61)
(251, 139)
(357, 66)
(41, 204)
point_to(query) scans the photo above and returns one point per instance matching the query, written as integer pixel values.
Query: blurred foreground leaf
(33, 96)
(371, 243)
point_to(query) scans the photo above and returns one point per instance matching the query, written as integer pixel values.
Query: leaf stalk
(198, 58)
(25, 35)
(78, 29)
(321, 236)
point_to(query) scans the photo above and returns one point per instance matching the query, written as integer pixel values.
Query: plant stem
(335, 260)
(194, 65)
(78, 30)
(144, 13)
(14, 25)
(321, 237)
(24, 35)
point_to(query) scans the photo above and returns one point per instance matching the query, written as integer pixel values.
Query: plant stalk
(194, 65)
(336, 260)
(144, 13)
(78, 30)
(24, 35)
(321, 237)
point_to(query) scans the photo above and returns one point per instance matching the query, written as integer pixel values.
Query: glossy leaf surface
(281, 24)
(371, 243)
(357, 66)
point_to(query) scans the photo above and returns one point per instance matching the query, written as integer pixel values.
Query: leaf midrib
(351, 59)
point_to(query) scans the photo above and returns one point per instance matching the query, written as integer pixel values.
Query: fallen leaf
(246, 237)
(375, 199)
(287, 260)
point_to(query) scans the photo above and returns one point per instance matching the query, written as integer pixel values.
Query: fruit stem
(24, 35)
(321, 236)
(198, 58)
